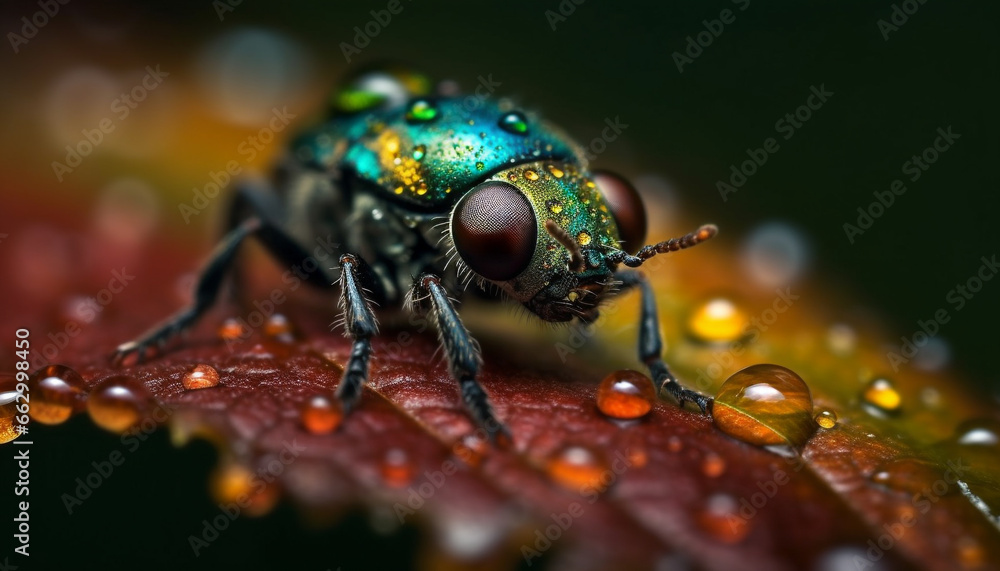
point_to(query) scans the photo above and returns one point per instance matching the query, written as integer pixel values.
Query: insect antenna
(671, 245)
(576, 263)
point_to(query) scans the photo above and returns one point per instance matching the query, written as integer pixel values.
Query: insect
(428, 193)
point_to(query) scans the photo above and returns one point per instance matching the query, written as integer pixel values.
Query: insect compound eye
(626, 207)
(494, 230)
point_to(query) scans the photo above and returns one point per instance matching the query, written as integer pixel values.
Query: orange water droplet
(471, 449)
(55, 393)
(970, 553)
(397, 469)
(637, 456)
(713, 465)
(556, 172)
(118, 403)
(826, 419)
(718, 320)
(675, 444)
(8, 415)
(200, 377)
(720, 517)
(279, 328)
(321, 414)
(626, 394)
(881, 397)
(579, 468)
(234, 483)
(231, 329)
(765, 405)
(530, 175)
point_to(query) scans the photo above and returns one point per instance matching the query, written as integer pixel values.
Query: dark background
(609, 59)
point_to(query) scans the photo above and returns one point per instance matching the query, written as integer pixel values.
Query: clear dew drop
(718, 320)
(514, 122)
(880, 397)
(200, 377)
(982, 432)
(56, 392)
(766, 405)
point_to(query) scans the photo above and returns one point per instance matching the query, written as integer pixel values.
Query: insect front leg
(651, 345)
(359, 324)
(256, 223)
(428, 296)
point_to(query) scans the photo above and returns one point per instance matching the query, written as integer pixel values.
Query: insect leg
(212, 278)
(651, 345)
(429, 296)
(359, 324)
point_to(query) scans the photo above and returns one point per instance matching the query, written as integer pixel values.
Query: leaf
(678, 492)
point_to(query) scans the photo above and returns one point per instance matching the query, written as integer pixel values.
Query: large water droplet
(56, 393)
(978, 432)
(118, 403)
(626, 394)
(321, 414)
(826, 419)
(880, 397)
(718, 320)
(200, 377)
(578, 468)
(765, 405)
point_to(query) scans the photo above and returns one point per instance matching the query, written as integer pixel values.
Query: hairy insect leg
(359, 324)
(429, 296)
(651, 345)
(213, 276)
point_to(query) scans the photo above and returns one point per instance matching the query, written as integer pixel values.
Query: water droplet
(826, 419)
(713, 466)
(396, 467)
(118, 403)
(279, 328)
(912, 475)
(514, 122)
(234, 483)
(200, 377)
(578, 468)
(512, 177)
(583, 238)
(637, 456)
(321, 414)
(880, 397)
(775, 254)
(8, 414)
(231, 329)
(56, 393)
(471, 449)
(978, 432)
(556, 172)
(626, 394)
(765, 405)
(841, 339)
(675, 444)
(555, 207)
(720, 517)
(718, 320)
(530, 175)
(418, 152)
(970, 553)
(421, 111)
